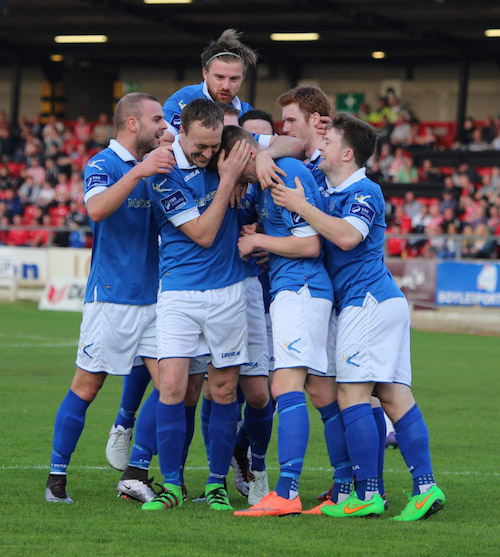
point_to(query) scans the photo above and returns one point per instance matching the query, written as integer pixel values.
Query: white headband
(225, 53)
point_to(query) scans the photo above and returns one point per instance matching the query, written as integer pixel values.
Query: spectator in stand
(495, 144)
(384, 133)
(483, 247)
(478, 143)
(429, 173)
(436, 242)
(487, 188)
(396, 247)
(28, 192)
(71, 142)
(402, 220)
(6, 179)
(77, 237)
(76, 215)
(468, 130)
(450, 216)
(62, 183)
(52, 171)
(8, 144)
(102, 132)
(436, 218)
(469, 207)
(397, 163)
(450, 245)
(489, 130)
(61, 237)
(53, 142)
(46, 195)
(17, 236)
(466, 168)
(382, 110)
(37, 171)
(424, 137)
(81, 158)
(41, 237)
(494, 218)
(83, 129)
(374, 173)
(36, 126)
(385, 160)
(12, 202)
(448, 201)
(53, 125)
(450, 187)
(401, 135)
(467, 187)
(412, 207)
(4, 233)
(407, 174)
(33, 147)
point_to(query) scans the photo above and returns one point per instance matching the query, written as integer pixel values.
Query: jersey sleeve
(361, 209)
(171, 201)
(294, 222)
(172, 113)
(98, 176)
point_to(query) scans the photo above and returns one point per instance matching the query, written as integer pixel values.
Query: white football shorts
(257, 330)
(300, 330)
(112, 336)
(189, 320)
(373, 342)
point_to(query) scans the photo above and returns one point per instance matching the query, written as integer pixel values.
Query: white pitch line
(271, 468)
(62, 344)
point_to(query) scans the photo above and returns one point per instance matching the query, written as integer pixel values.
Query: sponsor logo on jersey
(93, 164)
(138, 203)
(175, 121)
(364, 212)
(230, 354)
(202, 201)
(158, 187)
(96, 180)
(191, 175)
(297, 219)
(173, 202)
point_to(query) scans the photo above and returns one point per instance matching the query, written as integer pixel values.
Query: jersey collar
(179, 155)
(353, 178)
(235, 102)
(120, 150)
(314, 159)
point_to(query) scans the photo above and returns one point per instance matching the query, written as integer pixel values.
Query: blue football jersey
(173, 105)
(178, 198)
(287, 273)
(124, 267)
(361, 270)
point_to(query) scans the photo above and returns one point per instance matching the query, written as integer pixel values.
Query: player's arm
(294, 247)
(203, 229)
(337, 230)
(279, 146)
(105, 203)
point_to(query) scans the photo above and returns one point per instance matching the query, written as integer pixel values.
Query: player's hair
(309, 99)
(228, 109)
(204, 111)
(257, 115)
(131, 105)
(360, 136)
(229, 48)
(232, 134)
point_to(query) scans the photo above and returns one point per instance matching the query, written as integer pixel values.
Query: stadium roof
(410, 32)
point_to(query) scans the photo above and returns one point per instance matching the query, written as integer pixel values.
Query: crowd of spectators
(467, 200)
(42, 163)
(41, 179)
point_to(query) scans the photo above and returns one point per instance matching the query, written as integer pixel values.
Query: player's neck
(338, 176)
(313, 144)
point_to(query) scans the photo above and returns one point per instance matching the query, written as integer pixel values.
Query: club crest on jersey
(362, 198)
(93, 164)
(296, 219)
(158, 187)
(174, 201)
(175, 121)
(363, 212)
(96, 180)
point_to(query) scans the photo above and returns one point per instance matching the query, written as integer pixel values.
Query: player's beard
(145, 145)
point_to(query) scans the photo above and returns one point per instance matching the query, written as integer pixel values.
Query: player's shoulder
(184, 95)
(245, 107)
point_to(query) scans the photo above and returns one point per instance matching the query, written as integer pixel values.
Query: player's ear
(204, 73)
(315, 118)
(348, 154)
(132, 123)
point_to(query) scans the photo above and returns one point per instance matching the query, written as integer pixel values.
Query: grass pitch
(456, 380)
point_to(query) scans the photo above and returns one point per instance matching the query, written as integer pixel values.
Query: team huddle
(249, 236)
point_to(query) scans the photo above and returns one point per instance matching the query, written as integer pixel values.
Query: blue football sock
(362, 443)
(242, 439)
(68, 427)
(145, 433)
(337, 451)
(222, 433)
(293, 435)
(413, 438)
(171, 434)
(134, 386)
(260, 426)
(206, 407)
(190, 419)
(378, 414)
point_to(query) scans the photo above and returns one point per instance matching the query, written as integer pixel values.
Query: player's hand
(268, 172)
(324, 124)
(159, 161)
(249, 229)
(291, 199)
(231, 167)
(261, 256)
(246, 245)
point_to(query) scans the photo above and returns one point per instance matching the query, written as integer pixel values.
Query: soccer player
(119, 314)
(224, 64)
(373, 339)
(201, 302)
(300, 312)
(257, 122)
